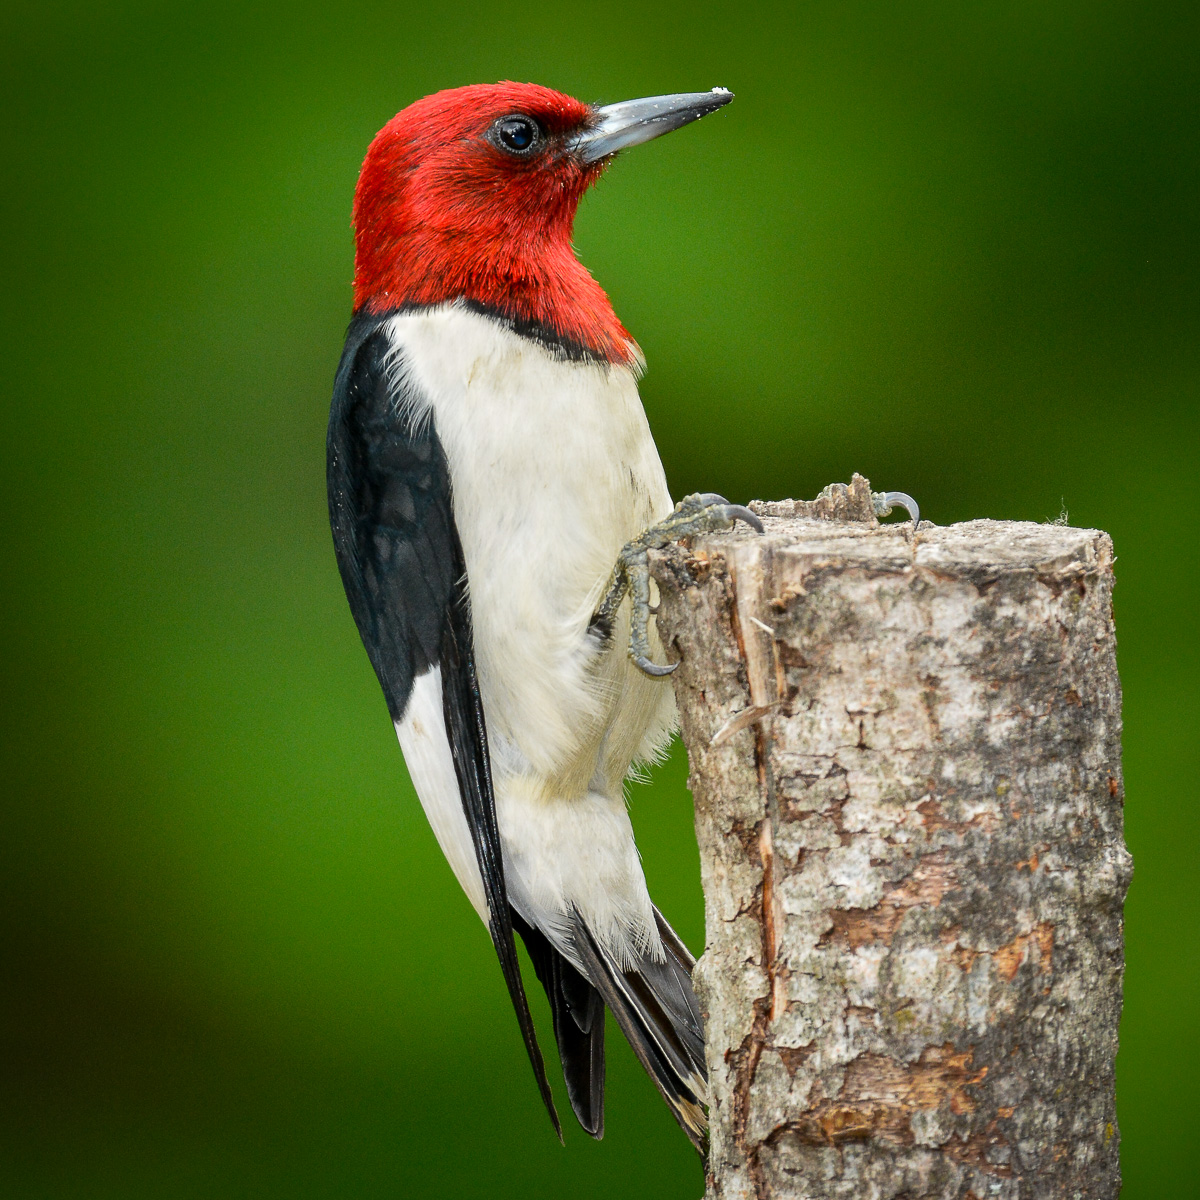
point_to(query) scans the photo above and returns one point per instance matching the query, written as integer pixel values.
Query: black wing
(403, 570)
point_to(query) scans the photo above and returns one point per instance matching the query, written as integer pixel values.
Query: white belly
(553, 469)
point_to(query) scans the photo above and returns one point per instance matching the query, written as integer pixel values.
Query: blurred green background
(952, 246)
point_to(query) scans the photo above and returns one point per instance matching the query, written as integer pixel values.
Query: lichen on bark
(905, 758)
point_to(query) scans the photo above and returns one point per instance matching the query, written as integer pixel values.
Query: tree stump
(905, 758)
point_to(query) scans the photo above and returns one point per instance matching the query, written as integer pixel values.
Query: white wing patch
(422, 734)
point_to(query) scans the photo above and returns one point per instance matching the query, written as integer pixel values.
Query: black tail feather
(668, 1043)
(578, 1013)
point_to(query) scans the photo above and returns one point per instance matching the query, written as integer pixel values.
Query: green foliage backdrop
(952, 246)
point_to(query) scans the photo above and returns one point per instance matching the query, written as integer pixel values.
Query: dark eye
(517, 135)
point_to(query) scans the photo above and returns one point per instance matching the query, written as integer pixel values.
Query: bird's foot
(884, 502)
(704, 512)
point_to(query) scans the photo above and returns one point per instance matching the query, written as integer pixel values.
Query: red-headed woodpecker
(489, 462)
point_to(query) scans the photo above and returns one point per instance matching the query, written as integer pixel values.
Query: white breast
(553, 469)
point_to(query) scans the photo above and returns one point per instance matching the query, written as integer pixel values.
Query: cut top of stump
(969, 550)
(806, 545)
(840, 529)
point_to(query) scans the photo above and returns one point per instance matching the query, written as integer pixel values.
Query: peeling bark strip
(906, 767)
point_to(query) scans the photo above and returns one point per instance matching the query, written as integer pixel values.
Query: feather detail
(656, 1009)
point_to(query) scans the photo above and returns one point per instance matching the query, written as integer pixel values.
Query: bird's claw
(704, 512)
(651, 667)
(707, 511)
(884, 502)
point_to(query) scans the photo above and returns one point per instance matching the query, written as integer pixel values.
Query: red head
(471, 194)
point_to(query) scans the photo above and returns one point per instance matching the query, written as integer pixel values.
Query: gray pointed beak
(632, 122)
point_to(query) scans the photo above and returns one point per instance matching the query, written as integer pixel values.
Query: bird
(493, 489)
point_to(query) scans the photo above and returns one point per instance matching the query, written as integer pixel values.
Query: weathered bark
(905, 757)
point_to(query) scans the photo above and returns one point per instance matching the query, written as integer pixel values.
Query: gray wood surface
(905, 757)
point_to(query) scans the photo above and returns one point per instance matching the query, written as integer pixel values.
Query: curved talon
(739, 512)
(884, 502)
(652, 668)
